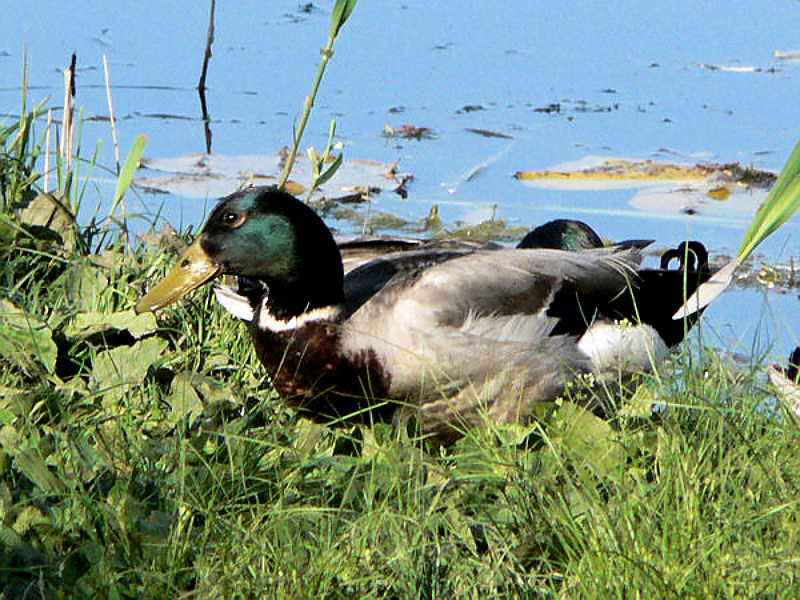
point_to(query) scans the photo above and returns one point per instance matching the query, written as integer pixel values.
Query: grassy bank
(143, 459)
(147, 459)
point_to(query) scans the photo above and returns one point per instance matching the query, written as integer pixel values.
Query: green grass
(145, 460)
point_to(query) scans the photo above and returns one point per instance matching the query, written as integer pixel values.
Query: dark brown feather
(311, 373)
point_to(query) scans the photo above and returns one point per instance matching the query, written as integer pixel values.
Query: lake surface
(559, 82)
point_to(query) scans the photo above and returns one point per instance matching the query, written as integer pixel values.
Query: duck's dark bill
(193, 270)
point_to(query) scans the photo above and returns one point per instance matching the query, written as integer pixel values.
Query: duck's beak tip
(194, 268)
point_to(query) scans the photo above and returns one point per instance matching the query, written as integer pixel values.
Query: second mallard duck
(787, 382)
(456, 335)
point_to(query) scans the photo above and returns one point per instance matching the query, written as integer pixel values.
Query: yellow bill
(193, 270)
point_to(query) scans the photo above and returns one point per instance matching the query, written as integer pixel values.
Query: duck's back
(473, 328)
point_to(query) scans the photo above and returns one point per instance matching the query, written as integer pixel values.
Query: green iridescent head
(264, 234)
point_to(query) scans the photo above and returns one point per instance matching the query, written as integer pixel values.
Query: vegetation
(143, 459)
(151, 459)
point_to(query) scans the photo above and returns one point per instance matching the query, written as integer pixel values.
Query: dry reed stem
(47, 150)
(65, 121)
(111, 113)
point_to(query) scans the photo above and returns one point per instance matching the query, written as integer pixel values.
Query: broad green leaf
(6, 500)
(5, 465)
(587, 437)
(6, 416)
(127, 365)
(307, 435)
(184, 399)
(640, 404)
(85, 286)
(25, 342)
(49, 212)
(29, 517)
(14, 402)
(9, 537)
(211, 390)
(36, 469)
(9, 437)
(87, 324)
(125, 507)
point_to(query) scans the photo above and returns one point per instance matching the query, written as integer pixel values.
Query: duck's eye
(233, 219)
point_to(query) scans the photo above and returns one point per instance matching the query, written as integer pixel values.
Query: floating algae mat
(713, 189)
(632, 173)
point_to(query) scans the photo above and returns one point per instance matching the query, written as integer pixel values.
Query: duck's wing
(359, 251)
(474, 337)
(488, 311)
(507, 283)
(395, 268)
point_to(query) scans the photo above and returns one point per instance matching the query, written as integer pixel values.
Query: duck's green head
(264, 234)
(562, 234)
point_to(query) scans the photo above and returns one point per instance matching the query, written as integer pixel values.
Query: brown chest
(312, 372)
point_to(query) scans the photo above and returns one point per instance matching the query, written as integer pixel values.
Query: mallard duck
(560, 234)
(787, 382)
(455, 335)
(564, 234)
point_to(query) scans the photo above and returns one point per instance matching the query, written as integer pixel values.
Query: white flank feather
(623, 346)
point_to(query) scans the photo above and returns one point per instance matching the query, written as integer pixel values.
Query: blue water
(629, 78)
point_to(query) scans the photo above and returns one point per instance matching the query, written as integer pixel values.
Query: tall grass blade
(341, 12)
(781, 203)
(330, 171)
(111, 115)
(129, 170)
(125, 179)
